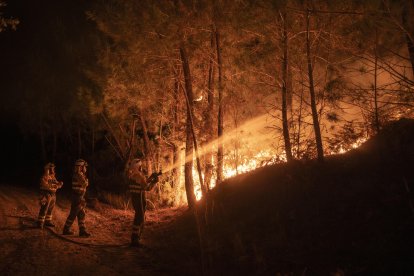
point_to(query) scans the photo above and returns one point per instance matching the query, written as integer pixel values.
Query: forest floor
(27, 250)
(351, 215)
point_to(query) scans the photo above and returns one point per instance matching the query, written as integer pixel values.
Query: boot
(67, 231)
(83, 233)
(135, 240)
(49, 223)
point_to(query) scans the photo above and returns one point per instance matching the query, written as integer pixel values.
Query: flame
(354, 145)
(260, 159)
(199, 98)
(197, 187)
(359, 142)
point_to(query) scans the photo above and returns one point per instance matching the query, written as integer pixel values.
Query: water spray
(254, 131)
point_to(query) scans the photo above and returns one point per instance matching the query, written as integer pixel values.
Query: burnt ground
(351, 215)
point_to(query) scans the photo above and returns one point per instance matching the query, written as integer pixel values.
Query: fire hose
(32, 225)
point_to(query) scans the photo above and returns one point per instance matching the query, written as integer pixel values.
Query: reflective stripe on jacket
(137, 183)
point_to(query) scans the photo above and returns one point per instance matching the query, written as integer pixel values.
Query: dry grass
(121, 202)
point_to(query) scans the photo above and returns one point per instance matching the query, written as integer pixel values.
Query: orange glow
(354, 145)
(261, 159)
(247, 147)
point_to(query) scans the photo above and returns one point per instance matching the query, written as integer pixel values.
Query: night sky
(40, 61)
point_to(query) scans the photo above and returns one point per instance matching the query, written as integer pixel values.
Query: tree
(7, 22)
(209, 112)
(285, 61)
(189, 142)
(315, 118)
(220, 153)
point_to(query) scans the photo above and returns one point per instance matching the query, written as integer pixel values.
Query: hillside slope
(352, 215)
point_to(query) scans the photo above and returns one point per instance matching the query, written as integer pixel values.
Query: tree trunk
(209, 113)
(286, 136)
(117, 147)
(147, 145)
(200, 217)
(176, 172)
(93, 152)
(315, 120)
(176, 146)
(130, 150)
(408, 34)
(42, 141)
(220, 151)
(188, 167)
(191, 113)
(298, 150)
(159, 155)
(54, 145)
(376, 111)
(93, 140)
(79, 143)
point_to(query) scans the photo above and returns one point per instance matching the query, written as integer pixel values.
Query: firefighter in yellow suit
(77, 209)
(48, 187)
(137, 185)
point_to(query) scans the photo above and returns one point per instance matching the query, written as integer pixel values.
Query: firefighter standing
(48, 187)
(77, 209)
(137, 185)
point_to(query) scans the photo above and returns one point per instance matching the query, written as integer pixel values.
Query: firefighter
(77, 209)
(48, 187)
(137, 185)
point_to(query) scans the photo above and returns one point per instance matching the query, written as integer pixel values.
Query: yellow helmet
(81, 162)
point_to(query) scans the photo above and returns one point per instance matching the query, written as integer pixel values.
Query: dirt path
(26, 250)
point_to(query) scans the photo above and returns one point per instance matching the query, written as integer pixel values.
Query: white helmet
(135, 165)
(49, 165)
(81, 162)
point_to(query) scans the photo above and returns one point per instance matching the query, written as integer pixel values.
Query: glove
(152, 180)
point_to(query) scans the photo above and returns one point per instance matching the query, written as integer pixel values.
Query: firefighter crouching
(48, 187)
(137, 185)
(77, 209)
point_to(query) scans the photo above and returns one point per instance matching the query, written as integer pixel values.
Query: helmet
(81, 162)
(49, 165)
(135, 164)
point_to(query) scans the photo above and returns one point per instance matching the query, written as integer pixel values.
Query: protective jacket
(47, 199)
(79, 184)
(77, 209)
(137, 183)
(49, 183)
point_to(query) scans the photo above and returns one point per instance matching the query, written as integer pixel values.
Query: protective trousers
(139, 203)
(47, 203)
(77, 210)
